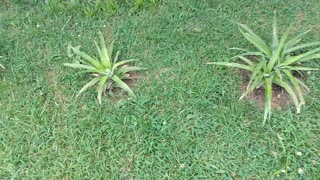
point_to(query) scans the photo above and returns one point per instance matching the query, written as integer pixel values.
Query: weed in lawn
(275, 64)
(107, 71)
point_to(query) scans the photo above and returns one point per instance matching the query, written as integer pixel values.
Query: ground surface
(187, 122)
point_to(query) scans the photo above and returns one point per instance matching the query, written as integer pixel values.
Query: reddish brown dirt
(280, 98)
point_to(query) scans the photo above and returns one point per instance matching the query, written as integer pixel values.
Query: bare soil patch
(57, 89)
(280, 97)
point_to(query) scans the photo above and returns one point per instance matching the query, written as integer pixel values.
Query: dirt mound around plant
(280, 98)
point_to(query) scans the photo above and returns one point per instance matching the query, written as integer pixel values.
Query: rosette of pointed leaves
(275, 64)
(108, 71)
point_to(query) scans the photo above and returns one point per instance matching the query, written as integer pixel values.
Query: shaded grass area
(187, 122)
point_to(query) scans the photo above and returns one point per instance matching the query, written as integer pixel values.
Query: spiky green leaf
(303, 84)
(88, 58)
(246, 60)
(305, 57)
(276, 56)
(256, 82)
(289, 90)
(116, 57)
(300, 68)
(302, 46)
(101, 55)
(268, 99)
(310, 57)
(110, 49)
(296, 85)
(80, 66)
(120, 63)
(275, 40)
(123, 85)
(101, 87)
(235, 65)
(257, 70)
(123, 70)
(89, 84)
(106, 56)
(254, 39)
(278, 72)
(294, 41)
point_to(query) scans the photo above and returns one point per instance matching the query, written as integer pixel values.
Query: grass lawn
(187, 122)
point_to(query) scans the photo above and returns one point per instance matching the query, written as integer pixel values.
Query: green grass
(187, 122)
